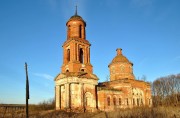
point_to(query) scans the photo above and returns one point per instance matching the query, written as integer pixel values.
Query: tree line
(166, 91)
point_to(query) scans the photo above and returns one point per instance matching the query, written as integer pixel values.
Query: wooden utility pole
(27, 91)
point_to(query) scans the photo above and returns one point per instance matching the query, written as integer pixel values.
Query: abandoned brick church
(77, 87)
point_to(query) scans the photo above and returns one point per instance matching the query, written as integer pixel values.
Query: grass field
(143, 112)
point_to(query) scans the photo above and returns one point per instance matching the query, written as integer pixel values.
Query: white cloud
(44, 76)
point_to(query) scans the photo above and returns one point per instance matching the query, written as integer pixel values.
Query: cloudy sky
(33, 31)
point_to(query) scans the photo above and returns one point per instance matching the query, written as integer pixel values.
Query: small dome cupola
(120, 67)
(120, 57)
(76, 27)
(119, 51)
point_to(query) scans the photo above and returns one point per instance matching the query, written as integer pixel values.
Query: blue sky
(33, 31)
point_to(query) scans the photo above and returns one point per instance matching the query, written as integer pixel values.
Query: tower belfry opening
(68, 55)
(80, 30)
(81, 56)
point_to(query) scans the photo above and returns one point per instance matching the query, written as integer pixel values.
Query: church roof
(120, 57)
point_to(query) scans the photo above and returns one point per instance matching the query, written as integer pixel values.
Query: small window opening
(127, 101)
(67, 70)
(133, 101)
(80, 30)
(82, 70)
(81, 55)
(137, 102)
(108, 101)
(114, 101)
(119, 101)
(68, 55)
(141, 101)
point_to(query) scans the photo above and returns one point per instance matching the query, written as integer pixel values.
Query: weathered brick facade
(77, 88)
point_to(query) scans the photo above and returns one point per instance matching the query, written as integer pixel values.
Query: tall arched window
(108, 101)
(114, 101)
(137, 102)
(81, 58)
(68, 55)
(127, 102)
(80, 30)
(119, 101)
(133, 101)
(141, 101)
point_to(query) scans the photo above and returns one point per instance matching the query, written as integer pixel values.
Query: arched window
(114, 101)
(81, 59)
(68, 55)
(108, 101)
(141, 101)
(80, 30)
(82, 70)
(127, 101)
(133, 101)
(67, 70)
(137, 102)
(120, 101)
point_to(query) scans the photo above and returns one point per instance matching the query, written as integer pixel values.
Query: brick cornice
(78, 40)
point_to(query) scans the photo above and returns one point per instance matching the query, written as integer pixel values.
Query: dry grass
(144, 112)
(45, 109)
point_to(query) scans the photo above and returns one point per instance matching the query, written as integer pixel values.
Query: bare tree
(166, 90)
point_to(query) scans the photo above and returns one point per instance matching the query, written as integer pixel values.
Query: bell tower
(75, 85)
(76, 48)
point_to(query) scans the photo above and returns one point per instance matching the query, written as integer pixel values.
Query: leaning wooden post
(27, 91)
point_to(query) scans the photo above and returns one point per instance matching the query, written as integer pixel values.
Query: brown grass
(143, 112)
(45, 109)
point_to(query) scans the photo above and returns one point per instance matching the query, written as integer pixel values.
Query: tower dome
(120, 67)
(76, 17)
(120, 57)
(76, 27)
